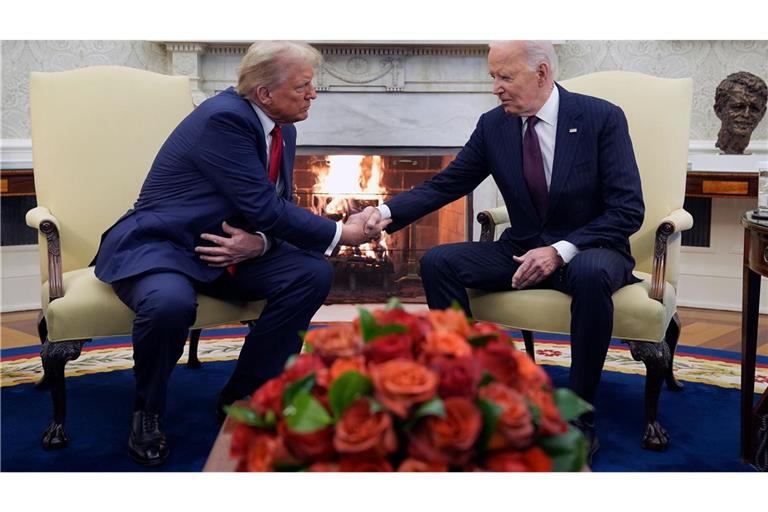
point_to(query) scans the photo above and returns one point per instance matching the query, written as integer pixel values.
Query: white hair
(535, 53)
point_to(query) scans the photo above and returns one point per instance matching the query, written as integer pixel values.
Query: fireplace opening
(338, 185)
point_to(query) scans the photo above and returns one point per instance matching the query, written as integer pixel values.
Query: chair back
(95, 133)
(658, 111)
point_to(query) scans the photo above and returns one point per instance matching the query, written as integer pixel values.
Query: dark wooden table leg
(749, 315)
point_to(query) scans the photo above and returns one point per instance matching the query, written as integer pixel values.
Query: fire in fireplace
(337, 186)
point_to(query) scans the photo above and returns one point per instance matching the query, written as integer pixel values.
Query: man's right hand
(363, 227)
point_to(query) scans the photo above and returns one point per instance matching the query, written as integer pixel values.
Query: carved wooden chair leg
(194, 339)
(672, 336)
(55, 356)
(42, 332)
(656, 357)
(528, 339)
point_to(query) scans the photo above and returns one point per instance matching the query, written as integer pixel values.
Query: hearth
(338, 185)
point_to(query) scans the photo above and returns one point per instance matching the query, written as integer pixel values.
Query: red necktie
(275, 155)
(533, 168)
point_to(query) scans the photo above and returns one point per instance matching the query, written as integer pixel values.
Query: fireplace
(337, 185)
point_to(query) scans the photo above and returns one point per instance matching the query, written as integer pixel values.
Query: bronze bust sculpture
(740, 103)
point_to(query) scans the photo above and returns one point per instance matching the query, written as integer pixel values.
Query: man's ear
(262, 95)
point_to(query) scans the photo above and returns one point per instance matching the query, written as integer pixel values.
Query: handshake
(363, 227)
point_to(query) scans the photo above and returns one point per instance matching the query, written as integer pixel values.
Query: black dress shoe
(146, 443)
(588, 429)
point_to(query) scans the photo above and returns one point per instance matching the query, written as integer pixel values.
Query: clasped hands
(535, 266)
(363, 227)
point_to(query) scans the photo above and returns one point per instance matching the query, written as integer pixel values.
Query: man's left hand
(240, 246)
(535, 266)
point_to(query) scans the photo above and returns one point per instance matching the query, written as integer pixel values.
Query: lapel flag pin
(572, 130)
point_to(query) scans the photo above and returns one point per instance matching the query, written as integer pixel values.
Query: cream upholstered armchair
(658, 113)
(95, 132)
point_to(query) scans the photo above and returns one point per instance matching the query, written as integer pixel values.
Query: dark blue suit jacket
(210, 169)
(595, 196)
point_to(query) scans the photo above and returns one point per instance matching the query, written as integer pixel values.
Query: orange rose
(390, 346)
(359, 431)
(533, 459)
(483, 328)
(515, 427)
(269, 397)
(459, 376)
(336, 340)
(451, 320)
(307, 446)
(353, 464)
(498, 358)
(445, 343)
(343, 365)
(447, 440)
(400, 383)
(550, 422)
(532, 376)
(411, 465)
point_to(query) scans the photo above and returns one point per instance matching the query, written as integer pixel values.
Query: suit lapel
(286, 162)
(513, 148)
(569, 129)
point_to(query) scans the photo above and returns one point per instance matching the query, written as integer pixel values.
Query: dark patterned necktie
(533, 168)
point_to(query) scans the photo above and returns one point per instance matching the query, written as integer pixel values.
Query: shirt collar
(266, 123)
(548, 111)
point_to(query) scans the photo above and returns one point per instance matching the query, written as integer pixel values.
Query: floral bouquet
(394, 391)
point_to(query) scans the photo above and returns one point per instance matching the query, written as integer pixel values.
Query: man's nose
(311, 92)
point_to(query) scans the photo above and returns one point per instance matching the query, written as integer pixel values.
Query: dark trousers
(590, 278)
(294, 282)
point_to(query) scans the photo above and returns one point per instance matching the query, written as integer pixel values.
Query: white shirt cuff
(335, 241)
(386, 213)
(566, 250)
(266, 242)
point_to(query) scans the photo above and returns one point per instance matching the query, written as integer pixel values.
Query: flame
(343, 181)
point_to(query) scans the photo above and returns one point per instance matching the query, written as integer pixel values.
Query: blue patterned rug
(703, 420)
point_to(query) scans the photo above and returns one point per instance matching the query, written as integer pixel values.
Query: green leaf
(535, 413)
(375, 405)
(490, 412)
(346, 389)
(306, 348)
(480, 341)
(455, 305)
(394, 303)
(568, 451)
(304, 384)
(250, 417)
(434, 407)
(371, 330)
(487, 379)
(290, 361)
(306, 414)
(570, 405)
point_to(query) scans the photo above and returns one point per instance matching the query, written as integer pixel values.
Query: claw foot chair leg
(194, 340)
(657, 360)
(528, 339)
(55, 356)
(672, 336)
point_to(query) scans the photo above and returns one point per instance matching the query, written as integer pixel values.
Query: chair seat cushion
(636, 316)
(89, 309)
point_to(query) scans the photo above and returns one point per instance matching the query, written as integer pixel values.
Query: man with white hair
(215, 215)
(565, 166)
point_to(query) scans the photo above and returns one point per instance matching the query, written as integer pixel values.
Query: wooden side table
(755, 266)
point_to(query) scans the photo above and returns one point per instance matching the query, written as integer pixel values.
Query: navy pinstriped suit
(595, 202)
(211, 169)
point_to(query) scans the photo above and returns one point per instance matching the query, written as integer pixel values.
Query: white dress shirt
(546, 129)
(267, 125)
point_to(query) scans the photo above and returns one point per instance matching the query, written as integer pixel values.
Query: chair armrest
(40, 218)
(677, 221)
(489, 219)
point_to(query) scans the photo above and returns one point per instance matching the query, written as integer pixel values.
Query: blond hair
(265, 63)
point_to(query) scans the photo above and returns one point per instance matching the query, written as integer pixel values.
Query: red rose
(307, 446)
(550, 421)
(359, 431)
(390, 346)
(411, 465)
(324, 467)
(242, 436)
(269, 397)
(458, 376)
(483, 328)
(533, 459)
(499, 359)
(399, 384)
(515, 426)
(364, 464)
(260, 456)
(302, 366)
(447, 440)
(336, 340)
